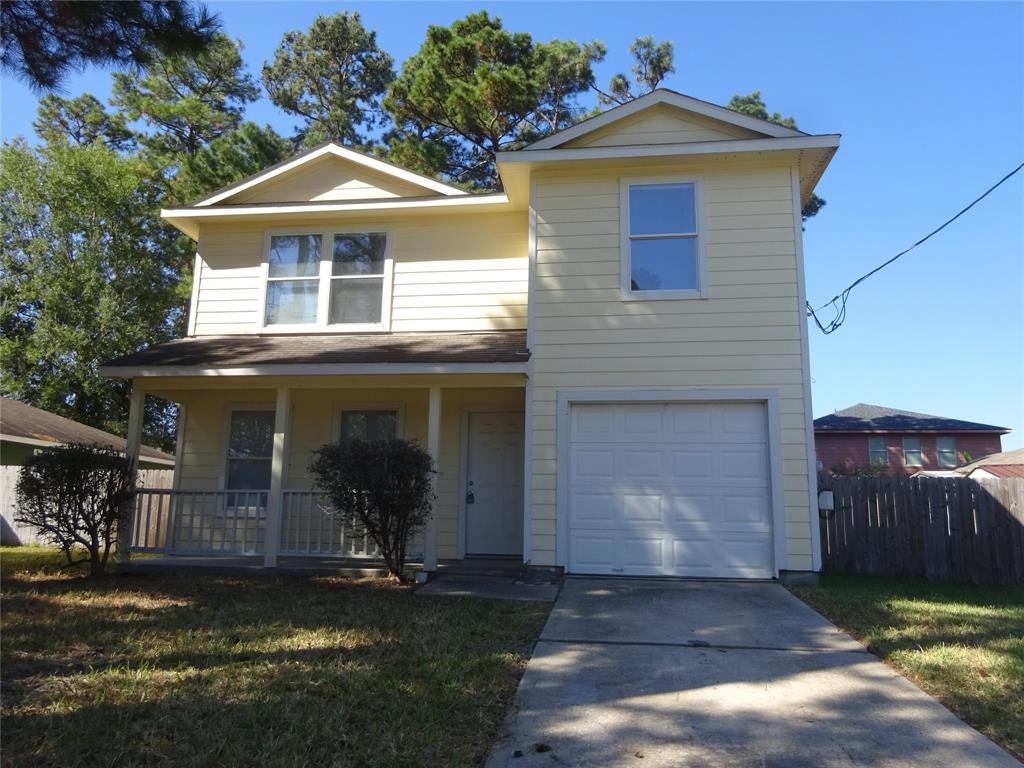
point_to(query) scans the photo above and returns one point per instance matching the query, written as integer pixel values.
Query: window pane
(912, 456)
(947, 451)
(356, 301)
(878, 451)
(359, 254)
(291, 301)
(663, 265)
(294, 255)
(658, 209)
(248, 474)
(369, 425)
(252, 434)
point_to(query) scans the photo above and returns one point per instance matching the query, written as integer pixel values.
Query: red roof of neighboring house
(1002, 470)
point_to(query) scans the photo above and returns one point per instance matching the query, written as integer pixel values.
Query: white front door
(494, 484)
(670, 489)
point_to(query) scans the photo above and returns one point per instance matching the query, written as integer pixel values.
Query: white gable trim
(662, 96)
(802, 141)
(396, 203)
(345, 154)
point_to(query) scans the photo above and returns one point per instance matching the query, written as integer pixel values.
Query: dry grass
(199, 669)
(963, 644)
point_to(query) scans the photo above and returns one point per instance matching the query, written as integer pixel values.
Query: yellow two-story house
(607, 360)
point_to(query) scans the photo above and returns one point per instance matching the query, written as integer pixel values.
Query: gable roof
(329, 148)
(1007, 463)
(23, 423)
(864, 417)
(673, 99)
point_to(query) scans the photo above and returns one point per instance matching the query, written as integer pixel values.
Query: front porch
(217, 515)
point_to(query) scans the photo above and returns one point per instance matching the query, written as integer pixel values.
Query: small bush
(72, 495)
(385, 485)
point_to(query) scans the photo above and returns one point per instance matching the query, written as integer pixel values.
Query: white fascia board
(397, 203)
(317, 369)
(671, 98)
(828, 141)
(345, 154)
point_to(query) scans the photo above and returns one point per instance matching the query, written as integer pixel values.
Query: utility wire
(839, 302)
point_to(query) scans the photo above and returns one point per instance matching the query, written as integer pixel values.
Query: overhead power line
(839, 301)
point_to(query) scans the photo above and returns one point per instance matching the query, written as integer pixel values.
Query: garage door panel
(670, 488)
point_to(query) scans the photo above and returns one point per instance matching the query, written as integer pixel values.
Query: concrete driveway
(648, 673)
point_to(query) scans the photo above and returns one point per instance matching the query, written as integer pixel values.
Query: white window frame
(222, 508)
(938, 451)
(919, 449)
(399, 408)
(885, 449)
(325, 278)
(625, 239)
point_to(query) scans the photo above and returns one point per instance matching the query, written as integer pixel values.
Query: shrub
(72, 495)
(385, 485)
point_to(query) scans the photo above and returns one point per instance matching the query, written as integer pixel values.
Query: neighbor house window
(327, 279)
(660, 239)
(946, 448)
(912, 456)
(878, 451)
(369, 425)
(250, 450)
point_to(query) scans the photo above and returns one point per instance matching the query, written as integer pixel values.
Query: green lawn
(963, 644)
(201, 669)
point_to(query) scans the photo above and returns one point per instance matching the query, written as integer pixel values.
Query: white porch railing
(234, 523)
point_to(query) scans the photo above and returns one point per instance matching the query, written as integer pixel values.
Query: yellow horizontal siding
(746, 334)
(456, 273)
(661, 124)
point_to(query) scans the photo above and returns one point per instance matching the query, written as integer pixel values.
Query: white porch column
(279, 466)
(434, 449)
(136, 409)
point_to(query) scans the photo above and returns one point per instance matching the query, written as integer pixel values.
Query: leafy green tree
(752, 104)
(474, 89)
(187, 100)
(88, 272)
(246, 150)
(81, 120)
(43, 40)
(652, 63)
(333, 77)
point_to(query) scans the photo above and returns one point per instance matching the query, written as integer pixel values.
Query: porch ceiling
(328, 353)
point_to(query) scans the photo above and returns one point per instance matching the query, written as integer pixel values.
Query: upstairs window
(912, 455)
(946, 449)
(878, 451)
(661, 239)
(329, 280)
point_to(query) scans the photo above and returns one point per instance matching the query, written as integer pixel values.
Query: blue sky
(929, 98)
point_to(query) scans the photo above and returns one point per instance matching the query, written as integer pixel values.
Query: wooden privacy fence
(954, 529)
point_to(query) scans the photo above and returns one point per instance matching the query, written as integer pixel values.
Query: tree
(88, 272)
(72, 495)
(81, 120)
(43, 40)
(333, 77)
(247, 150)
(474, 89)
(187, 99)
(652, 63)
(384, 485)
(752, 104)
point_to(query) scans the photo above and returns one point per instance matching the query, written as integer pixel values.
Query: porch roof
(271, 354)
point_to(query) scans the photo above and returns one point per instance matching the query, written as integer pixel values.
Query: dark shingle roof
(876, 418)
(332, 349)
(20, 420)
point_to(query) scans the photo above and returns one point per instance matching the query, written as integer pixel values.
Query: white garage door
(679, 489)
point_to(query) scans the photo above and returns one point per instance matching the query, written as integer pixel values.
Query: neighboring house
(998, 465)
(888, 440)
(25, 429)
(608, 359)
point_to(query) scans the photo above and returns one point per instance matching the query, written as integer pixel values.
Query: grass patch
(963, 644)
(201, 669)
